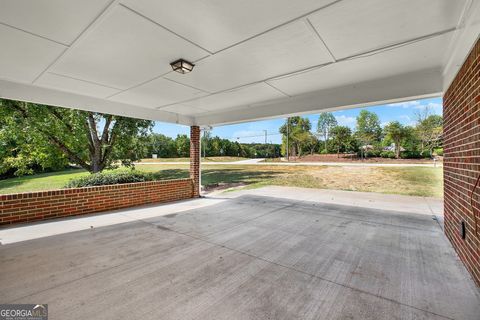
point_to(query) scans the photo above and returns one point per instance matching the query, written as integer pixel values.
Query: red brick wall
(33, 206)
(462, 161)
(195, 159)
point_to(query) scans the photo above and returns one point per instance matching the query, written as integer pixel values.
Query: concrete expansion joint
(220, 245)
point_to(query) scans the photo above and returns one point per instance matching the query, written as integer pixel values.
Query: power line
(258, 136)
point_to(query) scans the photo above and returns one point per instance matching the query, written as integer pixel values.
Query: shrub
(373, 153)
(438, 152)
(411, 155)
(387, 154)
(116, 177)
(324, 151)
(426, 154)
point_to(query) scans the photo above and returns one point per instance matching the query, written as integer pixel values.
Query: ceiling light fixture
(182, 66)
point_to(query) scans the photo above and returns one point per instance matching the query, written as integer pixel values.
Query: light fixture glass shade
(182, 66)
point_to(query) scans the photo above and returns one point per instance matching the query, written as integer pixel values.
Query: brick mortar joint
(84, 190)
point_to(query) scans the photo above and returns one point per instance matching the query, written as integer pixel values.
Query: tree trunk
(397, 150)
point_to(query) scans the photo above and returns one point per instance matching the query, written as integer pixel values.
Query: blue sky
(403, 112)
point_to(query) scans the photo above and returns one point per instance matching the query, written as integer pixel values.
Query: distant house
(367, 147)
(392, 148)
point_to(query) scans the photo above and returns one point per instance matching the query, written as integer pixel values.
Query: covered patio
(254, 256)
(269, 256)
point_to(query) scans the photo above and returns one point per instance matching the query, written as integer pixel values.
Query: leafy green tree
(23, 151)
(306, 142)
(205, 143)
(429, 129)
(297, 127)
(91, 140)
(341, 137)
(161, 145)
(397, 133)
(368, 130)
(326, 121)
(182, 143)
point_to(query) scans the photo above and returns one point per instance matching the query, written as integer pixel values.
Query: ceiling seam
(315, 31)
(275, 88)
(315, 67)
(397, 45)
(83, 80)
(165, 28)
(94, 22)
(183, 101)
(155, 78)
(177, 117)
(278, 26)
(186, 85)
(365, 54)
(34, 34)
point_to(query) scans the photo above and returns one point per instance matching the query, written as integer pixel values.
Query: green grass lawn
(419, 181)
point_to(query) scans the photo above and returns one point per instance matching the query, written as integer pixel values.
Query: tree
(91, 140)
(341, 138)
(306, 141)
(182, 143)
(161, 145)
(429, 129)
(23, 151)
(205, 143)
(298, 126)
(397, 133)
(368, 128)
(326, 121)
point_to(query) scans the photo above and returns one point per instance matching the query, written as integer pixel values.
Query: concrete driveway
(250, 255)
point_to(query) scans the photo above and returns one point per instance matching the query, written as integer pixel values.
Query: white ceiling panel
(286, 49)
(350, 26)
(238, 97)
(183, 110)
(216, 24)
(24, 56)
(425, 54)
(157, 93)
(59, 20)
(63, 83)
(124, 50)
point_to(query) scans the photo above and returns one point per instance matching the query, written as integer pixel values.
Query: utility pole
(266, 148)
(288, 133)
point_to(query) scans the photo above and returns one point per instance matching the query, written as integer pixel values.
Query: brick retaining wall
(34, 206)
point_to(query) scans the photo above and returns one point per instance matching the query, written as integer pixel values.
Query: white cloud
(383, 124)
(405, 105)
(246, 133)
(432, 106)
(344, 120)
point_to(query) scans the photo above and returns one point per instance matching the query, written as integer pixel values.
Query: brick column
(461, 143)
(195, 159)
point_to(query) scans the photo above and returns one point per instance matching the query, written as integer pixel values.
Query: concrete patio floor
(272, 253)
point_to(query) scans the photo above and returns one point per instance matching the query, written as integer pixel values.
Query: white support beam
(463, 41)
(31, 93)
(421, 84)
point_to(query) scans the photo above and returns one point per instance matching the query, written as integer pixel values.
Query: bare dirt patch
(355, 159)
